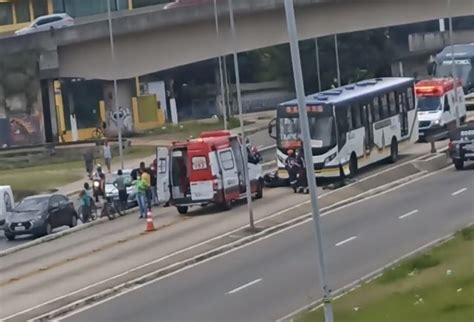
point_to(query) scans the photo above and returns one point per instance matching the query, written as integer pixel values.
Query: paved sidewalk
(260, 120)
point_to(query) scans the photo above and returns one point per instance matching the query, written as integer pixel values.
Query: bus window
(341, 119)
(384, 107)
(363, 114)
(376, 110)
(347, 110)
(393, 106)
(410, 99)
(356, 116)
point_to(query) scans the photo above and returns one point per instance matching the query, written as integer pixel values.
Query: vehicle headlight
(96, 184)
(330, 158)
(437, 122)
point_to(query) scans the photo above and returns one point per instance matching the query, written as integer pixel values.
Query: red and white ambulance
(437, 104)
(206, 170)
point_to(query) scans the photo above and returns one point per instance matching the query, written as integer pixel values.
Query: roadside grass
(189, 129)
(437, 286)
(47, 178)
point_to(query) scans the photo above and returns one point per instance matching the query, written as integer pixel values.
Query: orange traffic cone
(150, 226)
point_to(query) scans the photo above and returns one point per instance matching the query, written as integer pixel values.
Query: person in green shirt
(141, 187)
(86, 203)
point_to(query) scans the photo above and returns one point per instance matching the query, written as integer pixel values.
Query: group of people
(295, 166)
(144, 179)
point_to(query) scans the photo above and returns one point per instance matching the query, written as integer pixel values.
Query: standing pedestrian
(145, 175)
(121, 183)
(85, 200)
(107, 155)
(141, 188)
(153, 183)
(89, 161)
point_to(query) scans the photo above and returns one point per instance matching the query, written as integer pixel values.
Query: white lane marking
(345, 241)
(240, 288)
(459, 192)
(260, 146)
(408, 214)
(220, 255)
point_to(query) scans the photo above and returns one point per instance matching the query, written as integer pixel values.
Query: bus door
(403, 108)
(367, 123)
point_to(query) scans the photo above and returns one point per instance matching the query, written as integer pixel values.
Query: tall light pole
(453, 66)
(316, 45)
(239, 102)
(336, 47)
(115, 100)
(227, 88)
(308, 154)
(221, 77)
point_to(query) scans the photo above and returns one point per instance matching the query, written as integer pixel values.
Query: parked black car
(39, 215)
(461, 145)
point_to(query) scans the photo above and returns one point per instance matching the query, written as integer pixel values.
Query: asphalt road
(259, 139)
(273, 277)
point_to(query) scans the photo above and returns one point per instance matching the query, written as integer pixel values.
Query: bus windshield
(463, 69)
(426, 104)
(322, 131)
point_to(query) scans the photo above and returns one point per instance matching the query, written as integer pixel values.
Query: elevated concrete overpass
(152, 39)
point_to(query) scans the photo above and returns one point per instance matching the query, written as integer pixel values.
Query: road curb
(199, 258)
(365, 279)
(51, 237)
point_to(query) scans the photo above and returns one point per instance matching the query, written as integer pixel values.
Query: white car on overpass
(43, 23)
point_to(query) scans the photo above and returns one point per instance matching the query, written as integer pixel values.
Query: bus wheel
(183, 210)
(393, 151)
(353, 166)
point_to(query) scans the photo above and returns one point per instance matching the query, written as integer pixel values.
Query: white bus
(351, 126)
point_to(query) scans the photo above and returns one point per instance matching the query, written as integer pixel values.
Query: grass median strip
(436, 286)
(45, 178)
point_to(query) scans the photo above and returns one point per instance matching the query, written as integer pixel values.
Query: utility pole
(453, 66)
(318, 64)
(336, 47)
(114, 66)
(239, 102)
(308, 154)
(221, 77)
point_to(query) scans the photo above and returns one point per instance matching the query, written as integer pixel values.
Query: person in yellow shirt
(145, 176)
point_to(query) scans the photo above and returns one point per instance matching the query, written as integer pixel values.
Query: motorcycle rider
(252, 152)
(99, 176)
(302, 178)
(293, 169)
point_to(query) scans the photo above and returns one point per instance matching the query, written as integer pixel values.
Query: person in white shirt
(107, 155)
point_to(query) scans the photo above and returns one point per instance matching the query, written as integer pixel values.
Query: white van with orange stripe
(437, 104)
(206, 170)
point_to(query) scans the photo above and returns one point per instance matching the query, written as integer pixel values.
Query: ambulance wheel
(458, 164)
(259, 194)
(183, 210)
(226, 205)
